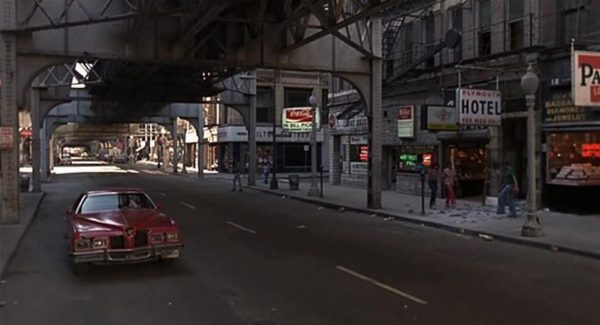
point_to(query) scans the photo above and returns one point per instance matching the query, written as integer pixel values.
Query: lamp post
(314, 189)
(532, 227)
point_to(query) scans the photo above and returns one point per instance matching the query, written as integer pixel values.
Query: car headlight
(83, 243)
(100, 243)
(172, 236)
(157, 238)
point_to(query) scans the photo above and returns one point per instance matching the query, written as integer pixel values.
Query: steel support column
(375, 115)
(251, 126)
(44, 139)
(34, 101)
(200, 131)
(8, 113)
(175, 145)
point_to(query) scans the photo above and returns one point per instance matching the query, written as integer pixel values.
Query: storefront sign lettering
(560, 108)
(479, 107)
(298, 119)
(406, 122)
(589, 150)
(586, 78)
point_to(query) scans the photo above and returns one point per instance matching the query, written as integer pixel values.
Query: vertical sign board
(406, 122)
(479, 107)
(586, 78)
(6, 138)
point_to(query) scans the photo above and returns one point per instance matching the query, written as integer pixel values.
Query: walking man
(507, 191)
(432, 181)
(237, 175)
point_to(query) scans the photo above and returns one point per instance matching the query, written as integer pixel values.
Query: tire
(80, 269)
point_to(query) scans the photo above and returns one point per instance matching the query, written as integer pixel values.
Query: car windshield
(115, 201)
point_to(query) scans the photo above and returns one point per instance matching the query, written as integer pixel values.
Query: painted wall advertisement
(298, 119)
(586, 78)
(406, 122)
(479, 107)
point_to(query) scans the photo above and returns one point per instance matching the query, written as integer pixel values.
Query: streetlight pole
(314, 188)
(532, 227)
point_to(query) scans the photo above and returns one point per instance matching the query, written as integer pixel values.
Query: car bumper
(131, 255)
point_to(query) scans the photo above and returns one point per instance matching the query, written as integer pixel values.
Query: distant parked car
(65, 159)
(121, 159)
(119, 226)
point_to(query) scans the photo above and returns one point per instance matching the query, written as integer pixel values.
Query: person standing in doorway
(237, 175)
(266, 169)
(507, 192)
(432, 180)
(449, 179)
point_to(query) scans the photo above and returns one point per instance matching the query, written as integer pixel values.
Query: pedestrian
(507, 192)
(432, 180)
(266, 169)
(449, 180)
(237, 175)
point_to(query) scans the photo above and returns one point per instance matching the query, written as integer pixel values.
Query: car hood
(120, 220)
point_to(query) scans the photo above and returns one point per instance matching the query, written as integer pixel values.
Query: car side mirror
(159, 206)
(69, 211)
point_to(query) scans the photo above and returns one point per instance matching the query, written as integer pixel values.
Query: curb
(20, 239)
(433, 224)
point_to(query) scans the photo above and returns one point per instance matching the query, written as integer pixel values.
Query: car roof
(115, 190)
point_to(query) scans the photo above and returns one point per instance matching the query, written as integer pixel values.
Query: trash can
(24, 183)
(294, 181)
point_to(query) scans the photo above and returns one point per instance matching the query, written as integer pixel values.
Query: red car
(119, 226)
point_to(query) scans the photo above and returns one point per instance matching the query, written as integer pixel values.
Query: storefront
(411, 160)
(469, 162)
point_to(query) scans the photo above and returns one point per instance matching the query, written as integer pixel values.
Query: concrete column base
(533, 226)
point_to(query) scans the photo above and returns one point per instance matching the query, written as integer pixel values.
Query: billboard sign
(442, 118)
(406, 122)
(298, 119)
(586, 78)
(479, 107)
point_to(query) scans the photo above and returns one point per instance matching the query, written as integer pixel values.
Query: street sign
(6, 137)
(479, 107)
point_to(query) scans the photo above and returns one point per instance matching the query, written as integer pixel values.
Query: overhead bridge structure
(141, 56)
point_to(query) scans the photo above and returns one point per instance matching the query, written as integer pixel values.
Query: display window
(411, 157)
(469, 162)
(573, 158)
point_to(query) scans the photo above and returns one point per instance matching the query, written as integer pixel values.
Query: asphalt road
(254, 258)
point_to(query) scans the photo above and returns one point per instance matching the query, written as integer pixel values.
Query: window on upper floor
(297, 97)
(569, 24)
(485, 34)
(515, 9)
(264, 105)
(457, 24)
(516, 31)
(429, 33)
(408, 43)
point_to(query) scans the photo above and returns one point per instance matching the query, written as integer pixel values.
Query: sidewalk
(11, 235)
(563, 232)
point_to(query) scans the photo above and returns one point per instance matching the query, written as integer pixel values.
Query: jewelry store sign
(479, 107)
(6, 137)
(586, 78)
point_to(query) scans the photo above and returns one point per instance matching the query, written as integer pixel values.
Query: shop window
(574, 158)
(413, 158)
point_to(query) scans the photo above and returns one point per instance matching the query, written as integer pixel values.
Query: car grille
(141, 238)
(117, 242)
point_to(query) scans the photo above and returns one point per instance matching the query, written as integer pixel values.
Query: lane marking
(381, 285)
(188, 205)
(233, 224)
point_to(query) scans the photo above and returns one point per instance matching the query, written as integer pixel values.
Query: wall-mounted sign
(298, 119)
(442, 118)
(359, 139)
(6, 137)
(479, 107)
(406, 122)
(263, 134)
(332, 120)
(586, 78)
(359, 168)
(560, 109)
